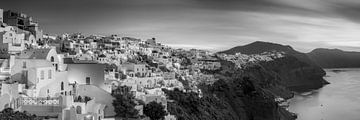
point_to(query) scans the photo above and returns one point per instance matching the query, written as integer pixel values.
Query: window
(24, 75)
(52, 59)
(12, 14)
(62, 85)
(49, 74)
(20, 22)
(78, 110)
(42, 74)
(24, 64)
(88, 80)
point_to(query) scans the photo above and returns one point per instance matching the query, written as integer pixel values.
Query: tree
(87, 99)
(10, 114)
(110, 67)
(124, 103)
(154, 110)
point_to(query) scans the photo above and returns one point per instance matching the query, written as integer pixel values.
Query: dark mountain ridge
(335, 58)
(259, 47)
(322, 57)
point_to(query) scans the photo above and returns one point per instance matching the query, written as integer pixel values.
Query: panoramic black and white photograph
(179, 59)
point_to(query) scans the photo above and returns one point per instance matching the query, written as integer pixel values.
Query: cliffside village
(46, 75)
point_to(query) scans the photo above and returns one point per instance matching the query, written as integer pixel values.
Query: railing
(39, 101)
(5, 69)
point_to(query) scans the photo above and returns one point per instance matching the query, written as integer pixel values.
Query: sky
(205, 24)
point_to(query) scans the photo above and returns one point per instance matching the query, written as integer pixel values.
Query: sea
(339, 100)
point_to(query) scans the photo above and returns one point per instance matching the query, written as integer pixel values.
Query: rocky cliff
(298, 72)
(250, 93)
(239, 95)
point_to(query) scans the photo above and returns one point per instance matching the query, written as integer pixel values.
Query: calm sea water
(339, 100)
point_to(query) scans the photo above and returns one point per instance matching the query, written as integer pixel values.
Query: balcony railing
(39, 101)
(5, 70)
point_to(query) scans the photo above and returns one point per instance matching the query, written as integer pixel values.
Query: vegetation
(154, 110)
(83, 99)
(189, 106)
(124, 103)
(110, 67)
(10, 114)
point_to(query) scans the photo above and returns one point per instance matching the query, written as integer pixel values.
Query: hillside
(249, 93)
(335, 58)
(238, 95)
(259, 47)
(298, 72)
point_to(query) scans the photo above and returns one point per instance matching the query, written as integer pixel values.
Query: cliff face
(296, 75)
(335, 58)
(238, 95)
(249, 94)
(298, 72)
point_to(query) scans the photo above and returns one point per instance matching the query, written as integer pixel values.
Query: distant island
(335, 58)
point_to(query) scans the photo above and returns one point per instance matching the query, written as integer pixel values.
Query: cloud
(304, 32)
(207, 24)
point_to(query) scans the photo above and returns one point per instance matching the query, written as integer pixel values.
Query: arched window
(62, 85)
(78, 110)
(52, 59)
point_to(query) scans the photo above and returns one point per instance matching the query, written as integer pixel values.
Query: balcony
(39, 101)
(5, 70)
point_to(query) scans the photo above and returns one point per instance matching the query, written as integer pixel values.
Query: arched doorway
(78, 110)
